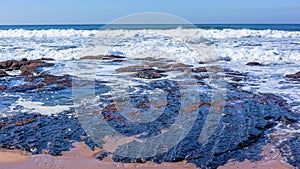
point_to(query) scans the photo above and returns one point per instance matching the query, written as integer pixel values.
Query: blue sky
(195, 11)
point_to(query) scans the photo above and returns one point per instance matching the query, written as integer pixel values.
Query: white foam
(37, 107)
(264, 45)
(52, 33)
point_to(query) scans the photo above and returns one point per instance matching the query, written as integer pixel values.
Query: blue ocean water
(284, 27)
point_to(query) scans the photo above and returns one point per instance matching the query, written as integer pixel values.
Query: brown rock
(31, 67)
(169, 67)
(293, 76)
(47, 80)
(6, 64)
(199, 69)
(26, 71)
(149, 74)
(26, 66)
(2, 125)
(20, 122)
(3, 88)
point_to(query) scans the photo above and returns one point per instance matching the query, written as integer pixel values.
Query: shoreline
(81, 156)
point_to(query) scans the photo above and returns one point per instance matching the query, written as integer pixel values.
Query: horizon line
(213, 23)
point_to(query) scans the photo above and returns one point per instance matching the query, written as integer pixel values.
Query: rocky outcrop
(27, 67)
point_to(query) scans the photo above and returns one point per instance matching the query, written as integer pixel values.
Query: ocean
(276, 47)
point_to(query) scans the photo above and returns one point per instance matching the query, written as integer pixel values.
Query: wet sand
(78, 158)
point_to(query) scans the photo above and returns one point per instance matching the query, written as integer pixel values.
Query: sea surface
(230, 46)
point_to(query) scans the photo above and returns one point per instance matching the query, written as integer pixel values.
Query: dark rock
(293, 76)
(237, 79)
(102, 57)
(253, 64)
(291, 151)
(240, 134)
(149, 74)
(39, 134)
(3, 73)
(50, 59)
(46, 80)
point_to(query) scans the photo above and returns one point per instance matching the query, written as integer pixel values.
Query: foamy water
(278, 50)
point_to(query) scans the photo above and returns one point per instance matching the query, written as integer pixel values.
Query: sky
(102, 12)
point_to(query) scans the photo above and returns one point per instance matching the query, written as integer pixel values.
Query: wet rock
(240, 134)
(3, 88)
(291, 151)
(49, 59)
(103, 57)
(253, 64)
(155, 66)
(129, 128)
(293, 76)
(28, 67)
(200, 77)
(47, 80)
(168, 67)
(51, 82)
(20, 122)
(7, 64)
(39, 134)
(199, 69)
(237, 79)
(148, 59)
(3, 73)
(149, 74)
(135, 68)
